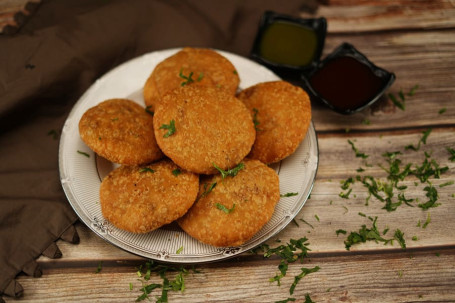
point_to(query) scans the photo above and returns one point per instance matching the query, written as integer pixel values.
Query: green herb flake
(188, 79)
(427, 221)
(288, 195)
(340, 231)
(83, 153)
(170, 128)
(399, 236)
(207, 189)
(176, 172)
(230, 172)
(295, 222)
(305, 271)
(99, 268)
(452, 154)
(200, 77)
(446, 183)
(366, 121)
(357, 153)
(224, 208)
(414, 238)
(307, 223)
(131, 286)
(399, 104)
(317, 218)
(179, 251)
(146, 170)
(423, 140)
(412, 91)
(255, 119)
(442, 110)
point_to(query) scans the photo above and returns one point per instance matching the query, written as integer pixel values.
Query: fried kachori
(231, 210)
(282, 114)
(199, 127)
(140, 199)
(121, 131)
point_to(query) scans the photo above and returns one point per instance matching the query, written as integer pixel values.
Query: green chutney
(289, 44)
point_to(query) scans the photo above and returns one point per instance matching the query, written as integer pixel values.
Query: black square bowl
(347, 81)
(289, 44)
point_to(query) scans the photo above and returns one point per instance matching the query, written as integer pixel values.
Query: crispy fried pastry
(121, 131)
(190, 66)
(282, 114)
(198, 127)
(232, 210)
(140, 199)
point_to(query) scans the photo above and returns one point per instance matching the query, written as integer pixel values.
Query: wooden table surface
(415, 40)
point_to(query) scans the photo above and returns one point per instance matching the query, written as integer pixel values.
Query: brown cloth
(47, 65)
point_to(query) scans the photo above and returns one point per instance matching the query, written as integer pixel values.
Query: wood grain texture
(397, 277)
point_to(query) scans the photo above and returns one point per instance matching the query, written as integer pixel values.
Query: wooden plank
(398, 277)
(369, 15)
(338, 162)
(429, 65)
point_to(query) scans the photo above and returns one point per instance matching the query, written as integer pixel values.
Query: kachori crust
(206, 67)
(121, 131)
(211, 127)
(251, 196)
(282, 115)
(140, 199)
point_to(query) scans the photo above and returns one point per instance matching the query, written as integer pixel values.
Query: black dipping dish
(289, 45)
(347, 81)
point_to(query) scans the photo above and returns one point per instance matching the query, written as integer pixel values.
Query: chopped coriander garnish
(432, 194)
(366, 121)
(317, 218)
(413, 90)
(114, 119)
(340, 231)
(400, 105)
(179, 250)
(345, 195)
(399, 236)
(452, 154)
(295, 222)
(188, 79)
(414, 238)
(307, 223)
(230, 172)
(235, 72)
(427, 221)
(176, 172)
(305, 271)
(308, 299)
(99, 268)
(146, 169)
(199, 78)
(207, 190)
(131, 286)
(224, 208)
(83, 153)
(446, 183)
(357, 153)
(288, 195)
(422, 140)
(149, 111)
(442, 110)
(170, 128)
(255, 119)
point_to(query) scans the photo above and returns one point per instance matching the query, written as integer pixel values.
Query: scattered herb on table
(170, 128)
(423, 140)
(357, 153)
(179, 251)
(442, 110)
(452, 154)
(304, 272)
(99, 268)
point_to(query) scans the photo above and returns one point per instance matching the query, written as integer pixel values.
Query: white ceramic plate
(81, 176)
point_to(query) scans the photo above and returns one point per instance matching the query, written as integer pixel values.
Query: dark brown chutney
(347, 81)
